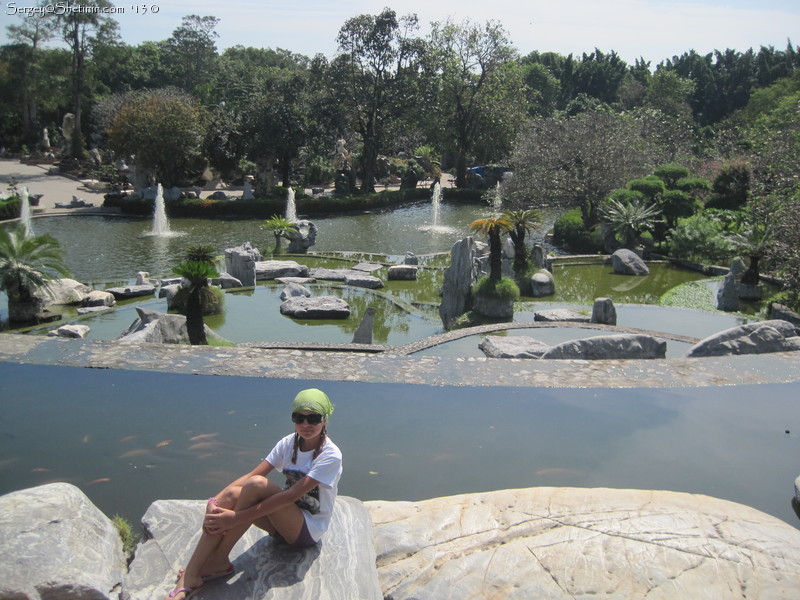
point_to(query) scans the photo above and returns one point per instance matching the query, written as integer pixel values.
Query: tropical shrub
(700, 237)
(502, 289)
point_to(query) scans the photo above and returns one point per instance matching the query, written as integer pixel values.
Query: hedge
(10, 209)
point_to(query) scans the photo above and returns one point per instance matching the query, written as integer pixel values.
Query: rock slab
(57, 544)
(566, 543)
(319, 307)
(342, 565)
(760, 337)
(614, 347)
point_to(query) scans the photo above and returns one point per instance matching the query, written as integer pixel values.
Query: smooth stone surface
(329, 274)
(496, 346)
(341, 566)
(75, 332)
(759, 337)
(402, 273)
(132, 291)
(567, 543)
(495, 308)
(295, 290)
(99, 298)
(63, 291)
(618, 346)
(543, 284)
(627, 262)
(319, 307)
(360, 279)
(57, 544)
(560, 314)
(271, 269)
(367, 267)
(604, 312)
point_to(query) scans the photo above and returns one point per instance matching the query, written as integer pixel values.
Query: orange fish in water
(101, 480)
(40, 470)
(205, 445)
(133, 453)
(203, 436)
(164, 443)
(129, 438)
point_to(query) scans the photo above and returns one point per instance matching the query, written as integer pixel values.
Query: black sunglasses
(312, 419)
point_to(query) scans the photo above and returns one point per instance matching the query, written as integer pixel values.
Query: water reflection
(128, 438)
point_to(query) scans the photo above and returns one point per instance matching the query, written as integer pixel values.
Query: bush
(10, 208)
(731, 187)
(569, 231)
(505, 289)
(700, 238)
(671, 173)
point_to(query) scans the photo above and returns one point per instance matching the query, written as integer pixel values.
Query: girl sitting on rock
(299, 513)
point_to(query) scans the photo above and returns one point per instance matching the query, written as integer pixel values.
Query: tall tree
(373, 74)
(471, 60)
(83, 25)
(191, 55)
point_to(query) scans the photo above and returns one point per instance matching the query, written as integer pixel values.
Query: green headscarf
(313, 399)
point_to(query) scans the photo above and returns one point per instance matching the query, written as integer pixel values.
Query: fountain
(25, 212)
(291, 209)
(436, 201)
(160, 221)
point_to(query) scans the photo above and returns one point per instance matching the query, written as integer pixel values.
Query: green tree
(279, 227)
(479, 88)
(625, 221)
(493, 227)
(191, 53)
(83, 29)
(197, 269)
(26, 266)
(373, 75)
(164, 130)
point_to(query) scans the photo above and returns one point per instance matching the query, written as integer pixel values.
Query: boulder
(779, 311)
(226, 281)
(361, 279)
(627, 262)
(270, 269)
(539, 255)
(143, 278)
(464, 270)
(170, 292)
(99, 298)
(367, 267)
(295, 290)
(57, 544)
(542, 284)
(240, 262)
(321, 273)
(158, 328)
(565, 543)
(341, 566)
(604, 312)
(321, 307)
(494, 308)
(410, 259)
(752, 338)
(132, 291)
(728, 294)
(560, 314)
(617, 346)
(300, 280)
(63, 291)
(406, 272)
(496, 346)
(363, 334)
(75, 332)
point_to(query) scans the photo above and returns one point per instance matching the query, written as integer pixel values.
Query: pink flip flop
(187, 592)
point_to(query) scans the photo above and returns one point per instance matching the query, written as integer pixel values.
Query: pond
(128, 438)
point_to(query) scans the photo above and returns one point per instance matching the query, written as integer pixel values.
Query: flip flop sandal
(187, 592)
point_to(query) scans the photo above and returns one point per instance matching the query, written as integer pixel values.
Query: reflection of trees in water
(388, 317)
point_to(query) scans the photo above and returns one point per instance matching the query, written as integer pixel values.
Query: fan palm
(522, 221)
(26, 265)
(493, 226)
(625, 221)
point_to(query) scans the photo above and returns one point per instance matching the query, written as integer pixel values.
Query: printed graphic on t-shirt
(309, 501)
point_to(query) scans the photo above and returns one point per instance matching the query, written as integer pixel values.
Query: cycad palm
(279, 226)
(197, 269)
(26, 265)
(493, 227)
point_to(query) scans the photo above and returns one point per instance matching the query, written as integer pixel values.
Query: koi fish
(101, 480)
(132, 453)
(129, 438)
(40, 470)
(205, 445)
(162, 444)
(203, 436)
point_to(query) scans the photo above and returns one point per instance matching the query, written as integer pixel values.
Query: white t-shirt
(317, 505)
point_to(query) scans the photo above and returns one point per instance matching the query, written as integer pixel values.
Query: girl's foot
(184, 590)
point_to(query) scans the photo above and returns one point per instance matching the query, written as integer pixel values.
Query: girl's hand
(219, 520)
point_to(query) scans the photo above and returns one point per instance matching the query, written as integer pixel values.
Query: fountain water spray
(160, 221)
(25, 212)
(291, 209)
(436, 201)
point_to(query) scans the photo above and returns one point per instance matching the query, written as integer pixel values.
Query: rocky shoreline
(523, 543)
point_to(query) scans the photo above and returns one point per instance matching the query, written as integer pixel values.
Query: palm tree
(493, 226)
(522, 221)
(196, 269)
(625, 221)
(26, 265)
(279, 226)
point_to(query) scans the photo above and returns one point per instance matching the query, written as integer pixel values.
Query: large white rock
(752, 338)
(63, 291)
(271, 269)
(627, 262)
(57, 544)
(498, 346)
(319, 307)
(341, 566)
(566, 543)
(615, 346)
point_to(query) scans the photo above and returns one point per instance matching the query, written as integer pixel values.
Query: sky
(651, 29)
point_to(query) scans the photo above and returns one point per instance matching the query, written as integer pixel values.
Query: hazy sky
(653, 29)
